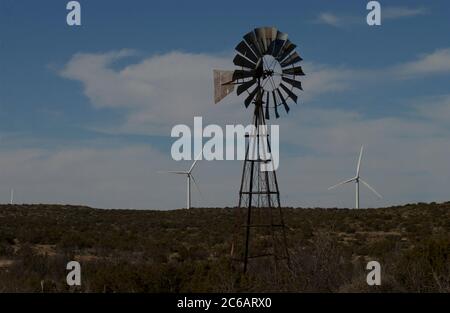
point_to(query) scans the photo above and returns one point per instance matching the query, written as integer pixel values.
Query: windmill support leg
(249, 212)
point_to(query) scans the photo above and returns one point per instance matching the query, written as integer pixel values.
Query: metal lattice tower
(260, 230)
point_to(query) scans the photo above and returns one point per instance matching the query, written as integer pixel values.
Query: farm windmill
(268, 68)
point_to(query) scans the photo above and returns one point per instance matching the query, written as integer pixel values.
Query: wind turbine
(357, 179)
(189, 176)
(12, 196)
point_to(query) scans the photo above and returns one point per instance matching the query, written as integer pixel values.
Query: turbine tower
(189, 176)
(357, 179)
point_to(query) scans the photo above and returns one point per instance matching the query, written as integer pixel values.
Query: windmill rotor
(268, 64)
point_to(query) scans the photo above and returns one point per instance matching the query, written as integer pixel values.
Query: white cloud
(402, 12)
(163, 90)
(98, 78)
(159, 91)
(406, 157)
(330, 19)
(406, 160)
(322, 79)
(108, 177)
(436, 108)
(432, 63)
(388, 13)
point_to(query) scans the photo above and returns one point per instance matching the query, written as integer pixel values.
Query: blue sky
(67, 99)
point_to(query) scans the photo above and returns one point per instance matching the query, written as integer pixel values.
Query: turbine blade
(359, 161)
(195, 162)
(173, 172)
(197, 187)
(342, 183)
(371, 188)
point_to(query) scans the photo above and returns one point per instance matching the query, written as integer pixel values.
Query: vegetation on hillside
(188, 251)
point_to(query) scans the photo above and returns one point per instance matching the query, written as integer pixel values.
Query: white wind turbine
(357, 179)
(189, 176)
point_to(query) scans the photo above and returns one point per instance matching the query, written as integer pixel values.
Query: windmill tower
(268, 68)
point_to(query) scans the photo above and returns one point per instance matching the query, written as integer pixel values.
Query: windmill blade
(359, 161)
(196, 186)
(275, 104)
(293, 82)
(278, 43)
(296, 71)
(222, 88)
(173, 172)
(241, 74)
(371, 188)
(270, 33)
(281, 36)
(244, 86)
(289, 92)
(239, 60)
(275, 47)
(250, 97)
(283, 101)
(293, 58)
(252, 42)
(342, 183)
(286, 50)
(246, 51)
(267, 105)
(261, 37)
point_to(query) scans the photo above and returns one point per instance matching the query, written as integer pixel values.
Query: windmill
(267, 70)
(189, 177)
(357, 179)
(11, 199)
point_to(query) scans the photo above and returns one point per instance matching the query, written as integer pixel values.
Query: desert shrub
(130, 251)
(426, 267)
